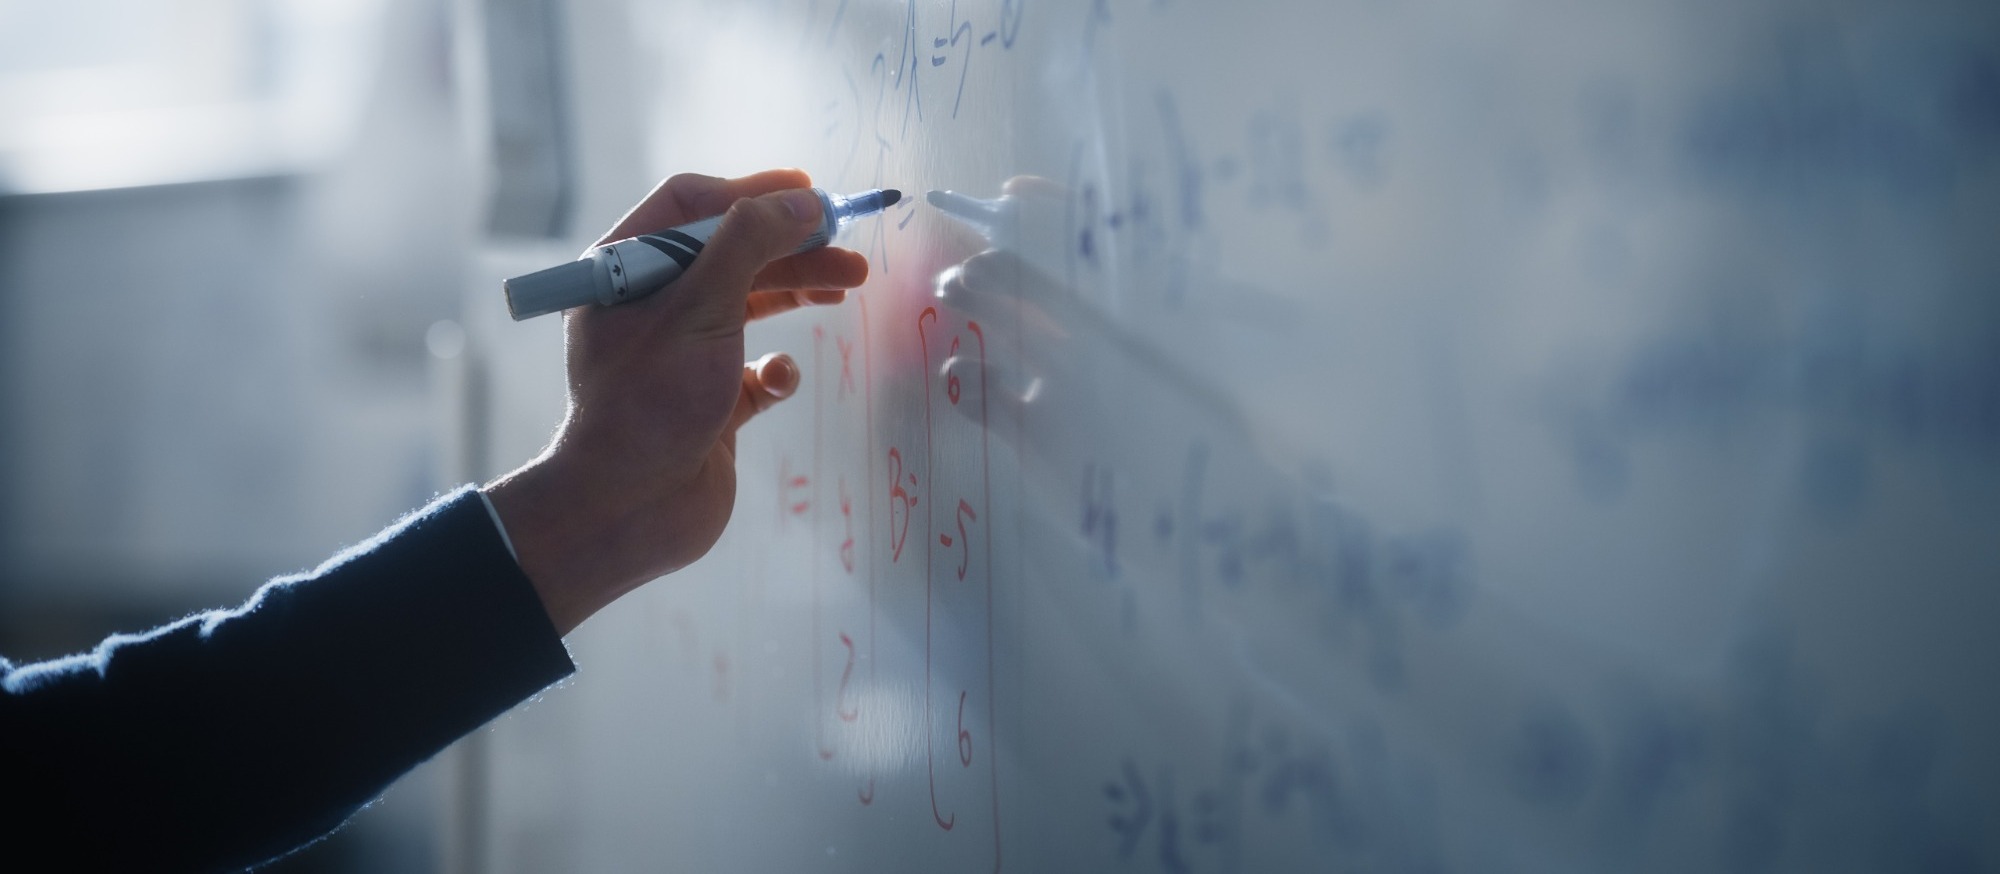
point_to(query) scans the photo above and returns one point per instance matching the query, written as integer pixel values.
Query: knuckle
(756, 219)
(687, 183)
(744, 215)
(782, 274)
(692, 192)
(989, 266)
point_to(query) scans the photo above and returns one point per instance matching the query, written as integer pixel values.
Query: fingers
(1000, 286)
(766, 381)
(818, 277)
(753, 233)
(819, 268)
(690, 196)
(1033, 186)
(764, 304)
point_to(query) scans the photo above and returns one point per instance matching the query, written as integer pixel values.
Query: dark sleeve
(232, 737)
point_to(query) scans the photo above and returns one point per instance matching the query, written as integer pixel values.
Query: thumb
(755, 232)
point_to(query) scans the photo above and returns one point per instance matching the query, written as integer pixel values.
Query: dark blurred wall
(206, 385)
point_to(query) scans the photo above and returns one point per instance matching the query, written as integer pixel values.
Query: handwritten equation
(918, 514)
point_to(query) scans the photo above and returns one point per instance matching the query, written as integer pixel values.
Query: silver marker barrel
(634, 267)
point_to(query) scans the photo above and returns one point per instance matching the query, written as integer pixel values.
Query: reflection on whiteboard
(1289, 437)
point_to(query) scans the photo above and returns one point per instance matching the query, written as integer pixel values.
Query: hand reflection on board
(1111, 421)
(1074, 362)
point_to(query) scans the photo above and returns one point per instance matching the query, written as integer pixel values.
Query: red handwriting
(792, 489)
(964, 737)
(964, 543)
(901, 502)
(847, 520)
(846, 365)
(930, 315)
(866, 794)
(956, 382)
(846, 714)
(819, 441)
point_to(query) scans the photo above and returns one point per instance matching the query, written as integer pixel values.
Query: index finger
(691, 196)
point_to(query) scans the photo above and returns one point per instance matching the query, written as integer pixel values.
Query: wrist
(548, 532)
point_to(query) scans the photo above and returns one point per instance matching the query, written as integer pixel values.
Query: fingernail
(803, 204)
(781, 376)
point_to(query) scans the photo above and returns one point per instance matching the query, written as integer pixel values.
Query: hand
(639, 480)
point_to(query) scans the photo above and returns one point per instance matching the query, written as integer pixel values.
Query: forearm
(231, 737)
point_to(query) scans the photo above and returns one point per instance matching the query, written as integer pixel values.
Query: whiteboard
(1533, 436)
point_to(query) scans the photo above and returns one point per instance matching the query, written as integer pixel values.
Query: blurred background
(243, 244)
(232, 234)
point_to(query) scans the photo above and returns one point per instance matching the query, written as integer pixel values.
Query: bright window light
(118, 93)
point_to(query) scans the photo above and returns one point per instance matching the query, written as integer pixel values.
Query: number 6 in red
(964, 737)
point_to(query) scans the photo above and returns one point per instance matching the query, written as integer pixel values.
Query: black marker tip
(890, 196)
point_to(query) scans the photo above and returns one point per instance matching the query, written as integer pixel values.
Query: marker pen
(1030, 221)
(993, 219)
(634, 267)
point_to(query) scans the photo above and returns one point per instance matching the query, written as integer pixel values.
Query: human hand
(640, 479)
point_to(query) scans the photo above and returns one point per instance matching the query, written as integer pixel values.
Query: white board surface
(1481, 436)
